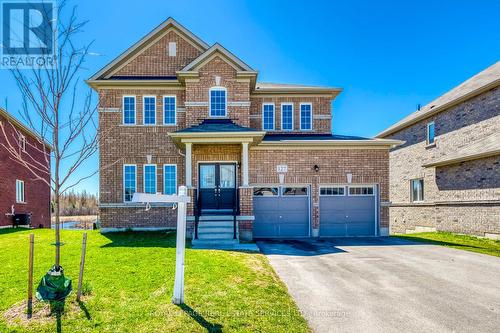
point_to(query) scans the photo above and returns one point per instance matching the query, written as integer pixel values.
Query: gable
(151, 51)
(217, 50)
(155, 60)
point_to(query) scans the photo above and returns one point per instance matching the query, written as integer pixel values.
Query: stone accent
(462, 197)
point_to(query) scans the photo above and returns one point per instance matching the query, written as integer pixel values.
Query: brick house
(20, 192)
(447, 174)
(259, 159)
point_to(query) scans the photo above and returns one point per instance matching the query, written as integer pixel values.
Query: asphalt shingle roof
(310, 136)
(216, 125)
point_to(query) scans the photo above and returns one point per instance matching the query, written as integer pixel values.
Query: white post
(180, 247)
(244, 162)
(189, 175)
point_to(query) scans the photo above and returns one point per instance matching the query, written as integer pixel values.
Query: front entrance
(217, 184)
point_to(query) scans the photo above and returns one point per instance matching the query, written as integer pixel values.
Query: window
(332, 191)
(129, 110)
(430, 133)
(19, 191)
(287, 117)
(22, 142)
(218, 102)
(170, 179)
(265, 191)
(294, 191)
(360, 190)
(150, 178)
(169, 110)
(149, 110)
(129, 181)
(268, 117)
(306, 117)
(172, 49)
(417, 190)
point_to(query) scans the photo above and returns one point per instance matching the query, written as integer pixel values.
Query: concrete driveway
(388, 285)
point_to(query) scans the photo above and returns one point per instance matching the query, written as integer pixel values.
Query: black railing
(196, 212)
(235, 211)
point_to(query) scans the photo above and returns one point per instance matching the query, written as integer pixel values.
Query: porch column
(188, 165)
(244, 163)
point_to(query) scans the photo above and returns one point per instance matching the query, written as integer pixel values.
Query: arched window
(218, 102)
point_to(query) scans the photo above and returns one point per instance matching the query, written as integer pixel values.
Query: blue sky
(388, 56)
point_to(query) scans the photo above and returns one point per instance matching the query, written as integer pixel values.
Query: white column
(244, 164)
(189, 174)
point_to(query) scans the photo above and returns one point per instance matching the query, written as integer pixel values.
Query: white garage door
(281, 212)
(347, 211)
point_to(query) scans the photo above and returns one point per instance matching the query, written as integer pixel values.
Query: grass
(129, 277)
(462, 242)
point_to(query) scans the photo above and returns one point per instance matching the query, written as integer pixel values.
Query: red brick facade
(140, 144)
(36, 192)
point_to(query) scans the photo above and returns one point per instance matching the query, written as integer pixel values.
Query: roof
(23, 127)
(486, 147)
(216, 125)
(479, 83)
(272, 88)
(310, 136)
(212, 50)
(170, 22)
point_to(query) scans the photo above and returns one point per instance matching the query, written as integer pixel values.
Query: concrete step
(216, 218)
(215, 229)
(213, 243)
(218, 235)
(210, 224)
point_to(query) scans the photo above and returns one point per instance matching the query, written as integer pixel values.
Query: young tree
(55, 108)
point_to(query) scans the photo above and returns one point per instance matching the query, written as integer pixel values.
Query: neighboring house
(176, 111)
(20, 192)
(447, 174)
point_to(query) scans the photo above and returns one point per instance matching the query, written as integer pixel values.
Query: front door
(217, 188)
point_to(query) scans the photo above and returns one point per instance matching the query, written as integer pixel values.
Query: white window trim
(175, 110)
(172, 49)
(300, 117)
(293, 120)
(164, 178)
(123, 109)
(144, 110)
(427, 136)
(411, 190)
(144, 177)
(361, 186)
(123, 180)
(274, 117)
(23, 199)
(210, 101)
(334, 195)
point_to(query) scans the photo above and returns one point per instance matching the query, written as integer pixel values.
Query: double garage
(344, 211)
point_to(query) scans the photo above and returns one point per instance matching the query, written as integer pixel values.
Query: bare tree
(55, 109)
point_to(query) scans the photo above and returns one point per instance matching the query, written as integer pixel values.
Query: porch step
(213, 243)
(211, 224)
(215, 232)
(216, 218)
(208, 229)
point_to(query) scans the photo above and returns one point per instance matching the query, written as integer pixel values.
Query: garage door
(347, 211)
(281, 212)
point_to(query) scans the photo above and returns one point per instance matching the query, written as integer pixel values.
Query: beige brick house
(259, 159)
(447, 174)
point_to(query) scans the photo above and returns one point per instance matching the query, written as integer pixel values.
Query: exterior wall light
(316, 168)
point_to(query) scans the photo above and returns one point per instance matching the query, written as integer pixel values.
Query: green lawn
(462, 242)
(131, 279)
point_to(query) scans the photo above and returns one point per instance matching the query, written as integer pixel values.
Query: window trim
(214, 88)
(123, 180)
(164, 178)
(144, 110)
(300, 117)
(411, 190)
(274, 116)
(23, 199)
(361, 186)
(135, 109)
(144, 177)
(172, 49)
(175, 110)
(333, 186)
(293, 118)
(429, 124)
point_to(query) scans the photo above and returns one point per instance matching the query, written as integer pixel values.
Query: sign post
(182, 199)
